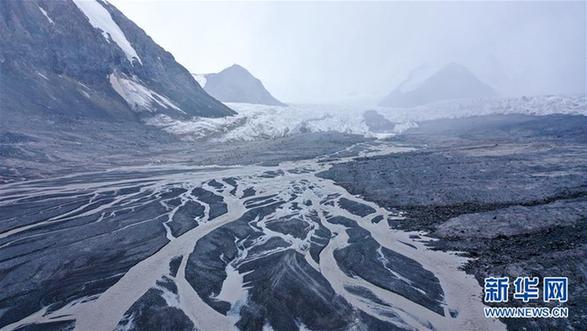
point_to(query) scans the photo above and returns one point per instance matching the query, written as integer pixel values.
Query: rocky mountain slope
(86, 59)
(424, 86)
(236, 84)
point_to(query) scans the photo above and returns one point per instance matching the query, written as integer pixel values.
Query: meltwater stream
(220, 248)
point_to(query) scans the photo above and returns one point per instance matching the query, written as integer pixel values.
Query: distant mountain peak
(457, 66)
(236, 84)
(236, 67)
(427, 84)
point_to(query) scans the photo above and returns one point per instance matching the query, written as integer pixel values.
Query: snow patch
(85, 94)
(42, 76)
(137, 96)
(201, 79)
(101, 19)
(402, 127)
(47, 16)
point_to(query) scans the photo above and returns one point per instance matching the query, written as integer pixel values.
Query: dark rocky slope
(53, 61)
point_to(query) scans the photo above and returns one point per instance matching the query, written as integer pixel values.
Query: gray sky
(330, 52)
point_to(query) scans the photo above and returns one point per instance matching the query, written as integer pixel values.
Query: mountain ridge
(85, 58)
(236, 84)
(423, 86)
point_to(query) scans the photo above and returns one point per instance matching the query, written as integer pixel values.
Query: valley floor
(317, 231)
(509, 191)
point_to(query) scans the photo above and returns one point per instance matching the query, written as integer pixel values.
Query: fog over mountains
(320, 53)
(86, 59)
(236, 84)
(425, 85)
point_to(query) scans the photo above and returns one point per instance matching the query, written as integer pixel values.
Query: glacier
(255, 121)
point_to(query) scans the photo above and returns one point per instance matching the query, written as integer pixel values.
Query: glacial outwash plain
(335, 232)
(145, 189)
